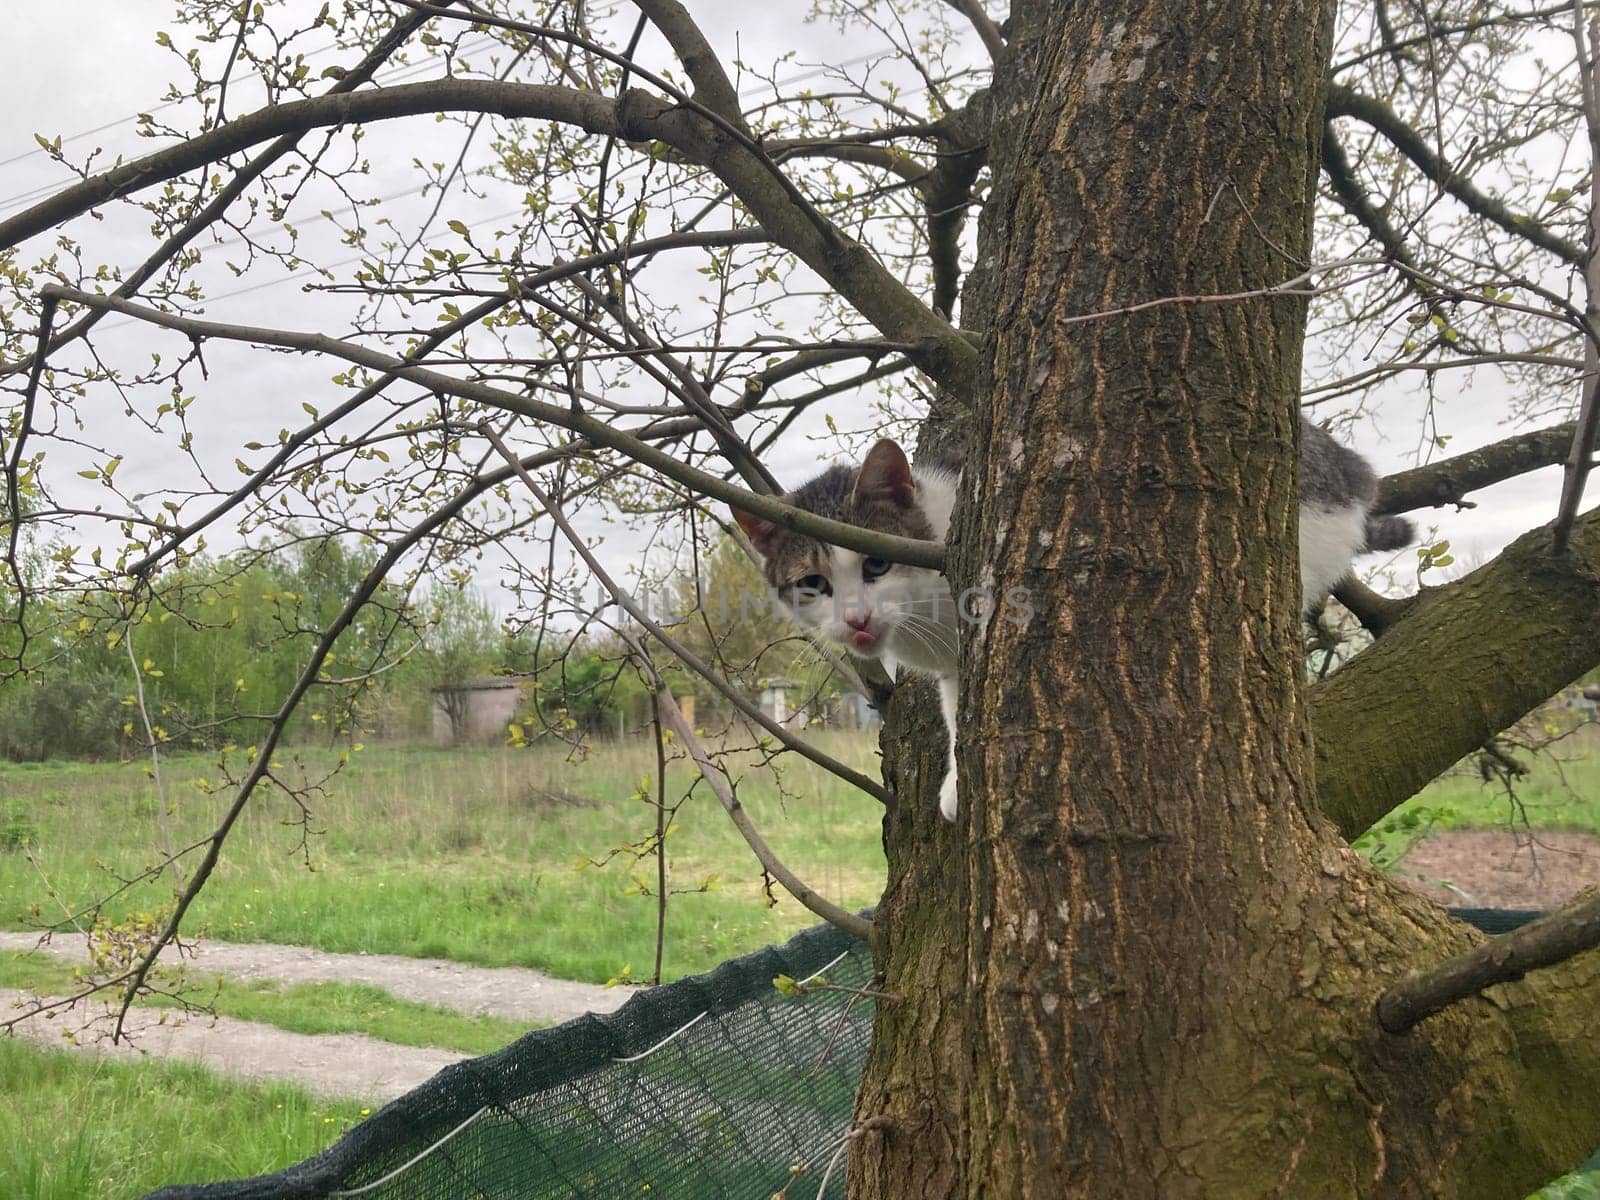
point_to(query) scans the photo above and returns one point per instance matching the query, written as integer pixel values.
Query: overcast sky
(74, 66)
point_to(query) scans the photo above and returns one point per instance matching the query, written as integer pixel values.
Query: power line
(396, 75)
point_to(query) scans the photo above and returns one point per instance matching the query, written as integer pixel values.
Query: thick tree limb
(712, 87)
(1376, 612)
(1353, 197)
(897, 549)
(1449, 480)
(1545, 942)
(964, 148)
(993, 41)
(594, 113)
(1346, 102)
(1468, 660)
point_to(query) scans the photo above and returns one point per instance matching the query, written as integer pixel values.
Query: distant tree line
(217, 644)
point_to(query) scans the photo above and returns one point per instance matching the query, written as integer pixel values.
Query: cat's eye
(811, 587)
(875, 568)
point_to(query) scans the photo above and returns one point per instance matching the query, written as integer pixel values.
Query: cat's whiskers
(923, 635)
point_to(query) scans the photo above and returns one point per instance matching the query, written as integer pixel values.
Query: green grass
(471, 855)
(75, 1128)
(1582, 1186)
(301, 1008)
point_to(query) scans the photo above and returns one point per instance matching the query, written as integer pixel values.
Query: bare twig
(262, 764)
(163, 818)
(848, 921)
(656, 722)
(1575, 472)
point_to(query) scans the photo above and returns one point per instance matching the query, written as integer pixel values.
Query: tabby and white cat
(906, 616)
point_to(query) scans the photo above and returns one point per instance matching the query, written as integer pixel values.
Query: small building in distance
(774, 701)
(786, 702)
(477, 711)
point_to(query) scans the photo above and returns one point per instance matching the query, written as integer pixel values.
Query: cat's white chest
(1329, 539)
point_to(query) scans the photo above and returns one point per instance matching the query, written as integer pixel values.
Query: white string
(647, 1053)
(410, 1162)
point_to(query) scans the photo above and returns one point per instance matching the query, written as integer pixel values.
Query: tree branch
(426, 346)
(964, 148)
(770, 863)
(1449, 480)
(1544, 942)
(262, 764)
(1376, 612)
(1575, 472)
(1346, 102)
(911, 551)
(1470, 658)
(712, 87)
(988, 31)
(636, 116)
(1357, 203)
(596, 114)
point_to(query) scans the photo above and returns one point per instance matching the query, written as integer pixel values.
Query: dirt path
(514, 992)
(1488, 868)
(351, 1066)
(344, 1065)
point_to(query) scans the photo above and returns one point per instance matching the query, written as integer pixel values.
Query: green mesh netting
(713, 1087)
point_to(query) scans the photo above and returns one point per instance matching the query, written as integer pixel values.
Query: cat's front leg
(949, 697)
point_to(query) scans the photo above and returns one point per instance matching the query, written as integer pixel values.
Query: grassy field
(473, 855)
(78, 1129)
(482, 856)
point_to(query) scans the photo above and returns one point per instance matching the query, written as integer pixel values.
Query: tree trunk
(1142, 963)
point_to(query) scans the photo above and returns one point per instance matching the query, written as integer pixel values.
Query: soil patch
(1484, 868)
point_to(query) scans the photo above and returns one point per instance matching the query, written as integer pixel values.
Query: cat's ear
(759, 530)
(885, 475)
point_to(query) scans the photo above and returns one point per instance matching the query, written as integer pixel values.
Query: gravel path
(514, 992)
(344, 1065)
(351, 1066)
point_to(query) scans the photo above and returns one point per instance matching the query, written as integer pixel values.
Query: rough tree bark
(1143, 963)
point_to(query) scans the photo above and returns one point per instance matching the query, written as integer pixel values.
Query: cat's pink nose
(858, 619)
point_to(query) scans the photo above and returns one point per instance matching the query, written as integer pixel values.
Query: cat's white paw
(947, 797)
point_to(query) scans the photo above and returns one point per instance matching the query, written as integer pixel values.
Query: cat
(906, 616)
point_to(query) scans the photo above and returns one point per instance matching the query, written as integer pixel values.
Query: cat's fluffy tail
(1389, 533)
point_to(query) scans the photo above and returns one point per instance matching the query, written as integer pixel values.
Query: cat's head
(870, 605)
